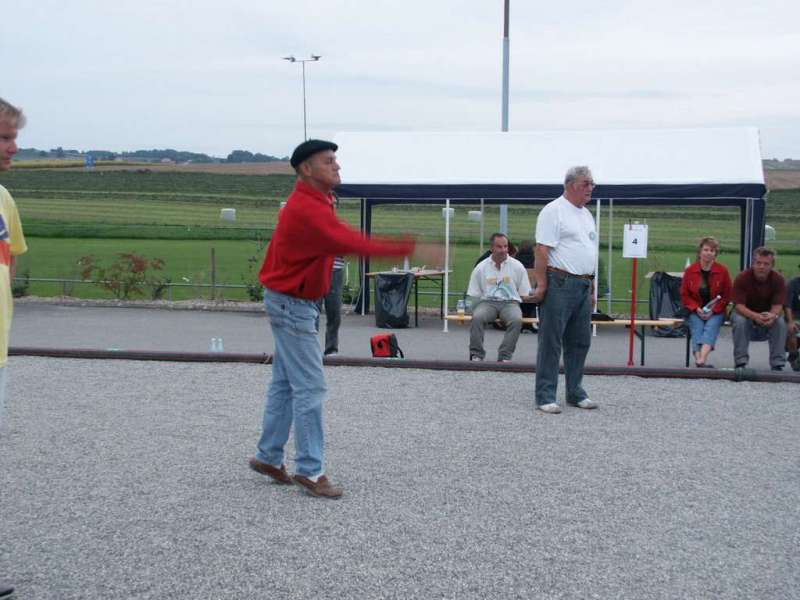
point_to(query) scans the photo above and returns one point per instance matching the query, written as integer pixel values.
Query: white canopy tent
(715, 166)
(628, 157)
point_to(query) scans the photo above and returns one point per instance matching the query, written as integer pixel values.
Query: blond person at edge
(566, 253)
(12, 244)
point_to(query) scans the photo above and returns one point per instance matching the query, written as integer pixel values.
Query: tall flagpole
(504, 123)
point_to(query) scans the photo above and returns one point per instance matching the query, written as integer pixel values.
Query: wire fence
(214, 290)
(67, 285)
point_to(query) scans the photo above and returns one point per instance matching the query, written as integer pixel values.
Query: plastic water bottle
(461, 307)
(707, 308)
(216, 345)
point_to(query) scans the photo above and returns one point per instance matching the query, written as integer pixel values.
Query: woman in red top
(705, 292)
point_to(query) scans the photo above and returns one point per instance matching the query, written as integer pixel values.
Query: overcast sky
(207, 76)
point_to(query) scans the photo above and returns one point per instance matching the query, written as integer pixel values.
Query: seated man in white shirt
(497, 285)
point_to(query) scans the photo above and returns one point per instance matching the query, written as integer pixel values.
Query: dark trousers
(745, 331)
(565, 322)
(333, 311)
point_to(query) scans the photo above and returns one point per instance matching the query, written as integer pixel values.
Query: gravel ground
(129, 480)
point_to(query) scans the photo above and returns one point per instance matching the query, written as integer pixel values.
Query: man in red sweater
(296, 273)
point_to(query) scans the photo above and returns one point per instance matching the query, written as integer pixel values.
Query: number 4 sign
(634, 241)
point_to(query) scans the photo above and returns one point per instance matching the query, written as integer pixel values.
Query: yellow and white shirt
(506, 284)
(12, 243)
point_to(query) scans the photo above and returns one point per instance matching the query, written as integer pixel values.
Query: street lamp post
(303, 61)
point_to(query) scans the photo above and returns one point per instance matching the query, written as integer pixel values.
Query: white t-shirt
(570, 233)
(508, 283)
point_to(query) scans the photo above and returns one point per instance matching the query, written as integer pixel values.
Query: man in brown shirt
(759, 293)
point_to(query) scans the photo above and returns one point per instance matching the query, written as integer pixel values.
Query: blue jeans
(566, 319)
(705, 332)
(297, 389)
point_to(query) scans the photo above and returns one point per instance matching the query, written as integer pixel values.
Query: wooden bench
(640, 324)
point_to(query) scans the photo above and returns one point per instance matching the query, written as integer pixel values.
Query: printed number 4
(635, 241)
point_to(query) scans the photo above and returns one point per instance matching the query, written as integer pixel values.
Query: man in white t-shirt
(497, 285)
(12, 244)
(566, 253)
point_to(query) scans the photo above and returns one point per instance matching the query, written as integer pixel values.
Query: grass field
(175, 216)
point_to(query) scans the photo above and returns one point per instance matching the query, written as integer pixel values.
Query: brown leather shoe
(322, 488)
(278, 475)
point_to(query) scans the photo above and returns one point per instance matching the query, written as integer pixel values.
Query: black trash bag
(391, 299)
(665, 301)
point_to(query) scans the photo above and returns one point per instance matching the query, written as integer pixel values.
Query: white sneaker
(551, 408)
(585, 403)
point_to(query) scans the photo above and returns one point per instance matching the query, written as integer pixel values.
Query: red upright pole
(633, 312)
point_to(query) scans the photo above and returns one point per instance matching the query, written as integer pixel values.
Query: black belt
(568, 274)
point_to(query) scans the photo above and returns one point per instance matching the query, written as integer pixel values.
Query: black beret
(308, 148)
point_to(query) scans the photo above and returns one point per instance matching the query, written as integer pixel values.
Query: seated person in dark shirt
(759, 294)
(525, 254)
(792, 309)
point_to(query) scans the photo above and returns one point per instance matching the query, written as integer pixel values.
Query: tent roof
(676, 163)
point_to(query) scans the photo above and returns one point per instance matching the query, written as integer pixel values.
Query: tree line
(155, 155)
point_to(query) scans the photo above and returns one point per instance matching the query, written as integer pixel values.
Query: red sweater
(309, 235)
(719, 282)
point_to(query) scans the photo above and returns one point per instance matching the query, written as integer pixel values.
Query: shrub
(127, 276)
(255, 290)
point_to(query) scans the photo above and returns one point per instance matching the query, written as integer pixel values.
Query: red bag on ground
(384, 345)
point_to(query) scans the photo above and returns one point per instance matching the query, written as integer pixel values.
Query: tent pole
(596, 262)
(610, 257)
(750, 248)
(747, 250)
(482, 233)
(446, 261)
(362, 260)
